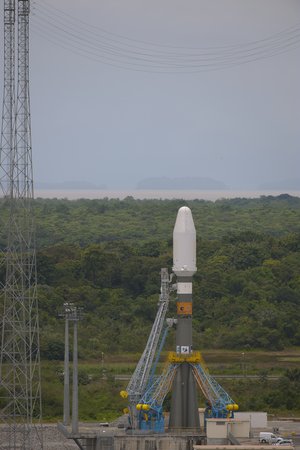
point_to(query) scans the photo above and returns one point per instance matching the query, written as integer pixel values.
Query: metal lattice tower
(140, 378)
(20, 387)
(8, 112)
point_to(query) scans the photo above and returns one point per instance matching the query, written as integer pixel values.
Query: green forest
(105, 256)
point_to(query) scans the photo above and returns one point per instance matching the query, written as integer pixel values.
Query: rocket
(184, 406)
(184, 267)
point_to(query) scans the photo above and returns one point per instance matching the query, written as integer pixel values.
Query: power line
(80, 24)
(88, 50)
(99, 45)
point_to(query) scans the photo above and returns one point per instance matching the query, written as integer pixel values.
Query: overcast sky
(107, 125)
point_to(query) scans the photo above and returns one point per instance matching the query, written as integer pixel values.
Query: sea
(211, 195)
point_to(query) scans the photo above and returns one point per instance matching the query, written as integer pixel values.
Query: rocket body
(184, 267)
(184, 408)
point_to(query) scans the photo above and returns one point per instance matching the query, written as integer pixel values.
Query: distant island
(66, 185)
(186, 183)
(291, 184)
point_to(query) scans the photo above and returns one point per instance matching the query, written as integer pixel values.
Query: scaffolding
(20, 386)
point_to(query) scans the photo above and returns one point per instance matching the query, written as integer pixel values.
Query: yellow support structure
(193, 358)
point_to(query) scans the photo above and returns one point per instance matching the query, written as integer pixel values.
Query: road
(229, 377)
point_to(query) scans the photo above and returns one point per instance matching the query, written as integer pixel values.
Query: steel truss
(20, 387)
(219, 403)
(140, 378)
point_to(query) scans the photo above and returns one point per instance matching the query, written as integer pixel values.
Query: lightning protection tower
(20, 388)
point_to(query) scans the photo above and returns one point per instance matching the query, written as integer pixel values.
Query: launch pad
(147, 426)
(112, 438)
(185, 368)
(227, 433)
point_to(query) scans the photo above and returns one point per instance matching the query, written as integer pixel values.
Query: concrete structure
(201, 412)
(93, 437)
(222, 431)
(238, 447)
(97, 438)
(257, 419)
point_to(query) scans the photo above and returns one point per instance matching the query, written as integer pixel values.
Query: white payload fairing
(184, 244)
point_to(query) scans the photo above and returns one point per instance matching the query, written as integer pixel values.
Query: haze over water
(159, 194)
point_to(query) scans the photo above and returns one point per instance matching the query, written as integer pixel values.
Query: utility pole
(244, 367)
(74, 314)
(66, 314)
(20, 386)
(66, 376)
(75, 379)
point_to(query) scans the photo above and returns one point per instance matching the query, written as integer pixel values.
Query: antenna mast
(20, 387)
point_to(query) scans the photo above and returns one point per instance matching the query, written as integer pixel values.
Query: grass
(218, 361)
(99, 398)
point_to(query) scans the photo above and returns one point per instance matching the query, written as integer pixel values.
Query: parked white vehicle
(266, 437)
(280, 439)
(285, 442)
